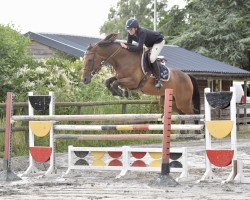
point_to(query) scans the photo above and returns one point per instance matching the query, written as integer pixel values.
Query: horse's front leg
(108, 83)
(115, 87)
(127, 83)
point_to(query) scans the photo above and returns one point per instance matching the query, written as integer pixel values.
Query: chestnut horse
(128, 74)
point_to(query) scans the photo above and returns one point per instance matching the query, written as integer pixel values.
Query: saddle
(147, 67)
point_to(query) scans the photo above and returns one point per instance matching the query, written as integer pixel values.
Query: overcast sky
(77, 17)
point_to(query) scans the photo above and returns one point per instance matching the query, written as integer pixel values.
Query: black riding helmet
(132, 23)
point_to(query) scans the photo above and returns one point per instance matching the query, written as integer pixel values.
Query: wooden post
(124, 108)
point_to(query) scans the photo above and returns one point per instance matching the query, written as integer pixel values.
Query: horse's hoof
(126, 94)
(107, 83)
(117, 93)
(114, 93)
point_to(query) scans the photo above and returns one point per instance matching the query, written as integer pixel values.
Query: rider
(151, 39)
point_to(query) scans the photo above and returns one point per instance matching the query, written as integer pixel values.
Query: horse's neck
(124, 63)
(109, 52)
(128, 65)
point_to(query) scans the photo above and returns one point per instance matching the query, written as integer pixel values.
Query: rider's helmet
(132, 23)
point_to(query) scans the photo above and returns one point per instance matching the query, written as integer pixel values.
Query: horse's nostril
(86, 80)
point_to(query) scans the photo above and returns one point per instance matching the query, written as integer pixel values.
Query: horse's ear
(108, 40)
(89, 47)
(111, 37)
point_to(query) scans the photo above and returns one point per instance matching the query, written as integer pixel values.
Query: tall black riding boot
(157, 70)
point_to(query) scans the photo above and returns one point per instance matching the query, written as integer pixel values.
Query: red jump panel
(220, 158)
(41, 154)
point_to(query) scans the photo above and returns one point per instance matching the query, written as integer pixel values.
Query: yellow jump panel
(220, 128)
(98, 163)
(40, 128)
(155, 155)
(155, 163)
(98, 154)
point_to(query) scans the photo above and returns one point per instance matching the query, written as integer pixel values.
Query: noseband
(104, 62)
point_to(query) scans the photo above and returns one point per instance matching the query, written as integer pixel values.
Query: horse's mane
(108, 40)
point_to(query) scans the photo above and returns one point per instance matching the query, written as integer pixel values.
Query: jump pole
(165, 179)
(105, 117)
(7, 174)
(126, 127)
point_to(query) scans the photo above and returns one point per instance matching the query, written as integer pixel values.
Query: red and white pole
(7, 174)
(165, 179)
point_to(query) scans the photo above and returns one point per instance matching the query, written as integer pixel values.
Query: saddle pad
(146, 67)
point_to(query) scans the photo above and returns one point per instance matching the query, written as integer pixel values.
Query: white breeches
(155, 51)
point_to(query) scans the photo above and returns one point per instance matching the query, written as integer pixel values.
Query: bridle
(104, 62)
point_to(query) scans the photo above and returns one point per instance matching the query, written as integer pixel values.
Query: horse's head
(94, 57)
(92, 63)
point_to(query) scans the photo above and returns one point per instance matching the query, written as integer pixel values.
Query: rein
(112, 55)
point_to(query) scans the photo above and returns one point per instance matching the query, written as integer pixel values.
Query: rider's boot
(157, 70)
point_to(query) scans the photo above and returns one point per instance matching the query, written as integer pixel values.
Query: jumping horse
(129, 74)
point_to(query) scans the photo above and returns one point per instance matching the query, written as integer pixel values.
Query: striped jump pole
(7, 174)
(130, 127)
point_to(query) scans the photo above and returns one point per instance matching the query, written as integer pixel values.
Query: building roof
(177, 57)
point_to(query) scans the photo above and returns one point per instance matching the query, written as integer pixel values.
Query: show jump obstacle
(42, 125)
(41, 154)
(220, 129)
(127, 158)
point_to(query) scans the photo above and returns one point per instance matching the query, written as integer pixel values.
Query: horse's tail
(196, 95)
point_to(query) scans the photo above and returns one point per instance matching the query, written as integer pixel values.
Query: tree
(173, 23)
(218, 29)
(142, 10)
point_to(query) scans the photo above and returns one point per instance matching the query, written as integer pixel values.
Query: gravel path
(134, 185)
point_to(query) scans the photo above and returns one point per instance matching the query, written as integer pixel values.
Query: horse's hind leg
(186, 108)
(162, 100)
(174, 108)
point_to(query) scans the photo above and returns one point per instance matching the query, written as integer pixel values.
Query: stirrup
(158, 84)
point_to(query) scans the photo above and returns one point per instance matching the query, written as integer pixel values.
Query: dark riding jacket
(144, 36)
